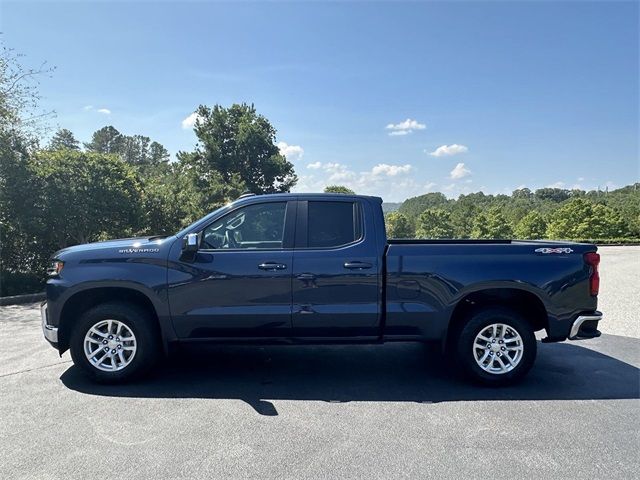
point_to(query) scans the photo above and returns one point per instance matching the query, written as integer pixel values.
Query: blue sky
(393, 99)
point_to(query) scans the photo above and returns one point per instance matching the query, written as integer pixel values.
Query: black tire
(138, 321)
(478, 321)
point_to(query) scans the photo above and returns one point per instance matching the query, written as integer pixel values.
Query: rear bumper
(585, 326)
(50, 332)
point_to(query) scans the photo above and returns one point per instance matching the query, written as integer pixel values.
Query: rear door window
(333, 224)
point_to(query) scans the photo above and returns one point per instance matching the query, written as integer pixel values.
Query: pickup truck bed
(421, 299)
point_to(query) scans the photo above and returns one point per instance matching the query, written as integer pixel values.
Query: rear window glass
(332, 224)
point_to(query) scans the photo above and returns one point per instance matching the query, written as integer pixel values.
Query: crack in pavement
(34, 369)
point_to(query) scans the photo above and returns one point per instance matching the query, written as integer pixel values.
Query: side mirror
(190, 243)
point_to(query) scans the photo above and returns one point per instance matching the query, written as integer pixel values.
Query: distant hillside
(390, 207)
(543, 213)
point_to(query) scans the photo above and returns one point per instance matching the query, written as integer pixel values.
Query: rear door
(336, 271)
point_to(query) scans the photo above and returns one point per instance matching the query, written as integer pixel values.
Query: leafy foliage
(398, 225)
(239, 144)
(532, 226)
(135, 149)
(64, 139)
(106, 140)
(491, 224)
(581, 218)
(86, 196)
(434, 223)
(545, 213)
(338, 189)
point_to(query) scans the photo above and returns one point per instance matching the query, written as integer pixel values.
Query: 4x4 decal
(554, 250)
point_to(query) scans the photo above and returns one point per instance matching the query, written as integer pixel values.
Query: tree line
(551, 213)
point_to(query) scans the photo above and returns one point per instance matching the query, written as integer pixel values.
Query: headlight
(55, 268)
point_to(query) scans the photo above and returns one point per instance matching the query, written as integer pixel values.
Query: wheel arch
(85, 299)
(525, 302)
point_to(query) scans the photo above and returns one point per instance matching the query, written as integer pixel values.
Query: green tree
(491, 225)
(212, 187)
(434, 223)
(106, 140)
(171, 201)
(21, 123)
(87, 196)
(626, 201)
(522, 193)
(582, 219)
(135, 149)
(398, 225)
(338, 189)
(553, 194)
(64, 139)
(20, 212)
(240, 144)
(158, 154)
(532, 226)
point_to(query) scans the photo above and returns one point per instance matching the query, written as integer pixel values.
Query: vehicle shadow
(402, 372)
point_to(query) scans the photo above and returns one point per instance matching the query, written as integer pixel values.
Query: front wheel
(114, 342)
(496, 347)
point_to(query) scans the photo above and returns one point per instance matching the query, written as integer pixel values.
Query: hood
(121, 246)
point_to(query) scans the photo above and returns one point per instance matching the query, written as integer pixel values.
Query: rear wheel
(496, 346)
(114, 342)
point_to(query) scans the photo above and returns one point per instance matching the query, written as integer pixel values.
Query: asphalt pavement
(387, 411)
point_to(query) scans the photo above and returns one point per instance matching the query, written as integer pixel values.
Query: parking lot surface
(388, 411)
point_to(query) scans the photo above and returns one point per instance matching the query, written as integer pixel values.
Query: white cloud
(399, 132)
(90, 108)
(392, 181)
(292, 152)
(459, 171)
(557, 185)
(449, 150)
(390, 170)
(405, 127)
(190, 121)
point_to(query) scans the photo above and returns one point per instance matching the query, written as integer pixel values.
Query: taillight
(593, 260)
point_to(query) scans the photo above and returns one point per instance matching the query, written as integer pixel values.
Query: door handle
(357, 265)
(272, 266)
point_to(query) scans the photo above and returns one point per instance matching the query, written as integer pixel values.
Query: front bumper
(585, 326)
(50, 332)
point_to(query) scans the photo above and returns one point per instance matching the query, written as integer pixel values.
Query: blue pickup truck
(316, 268)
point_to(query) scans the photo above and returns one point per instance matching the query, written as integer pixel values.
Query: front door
(239, 282)
(336, 271)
